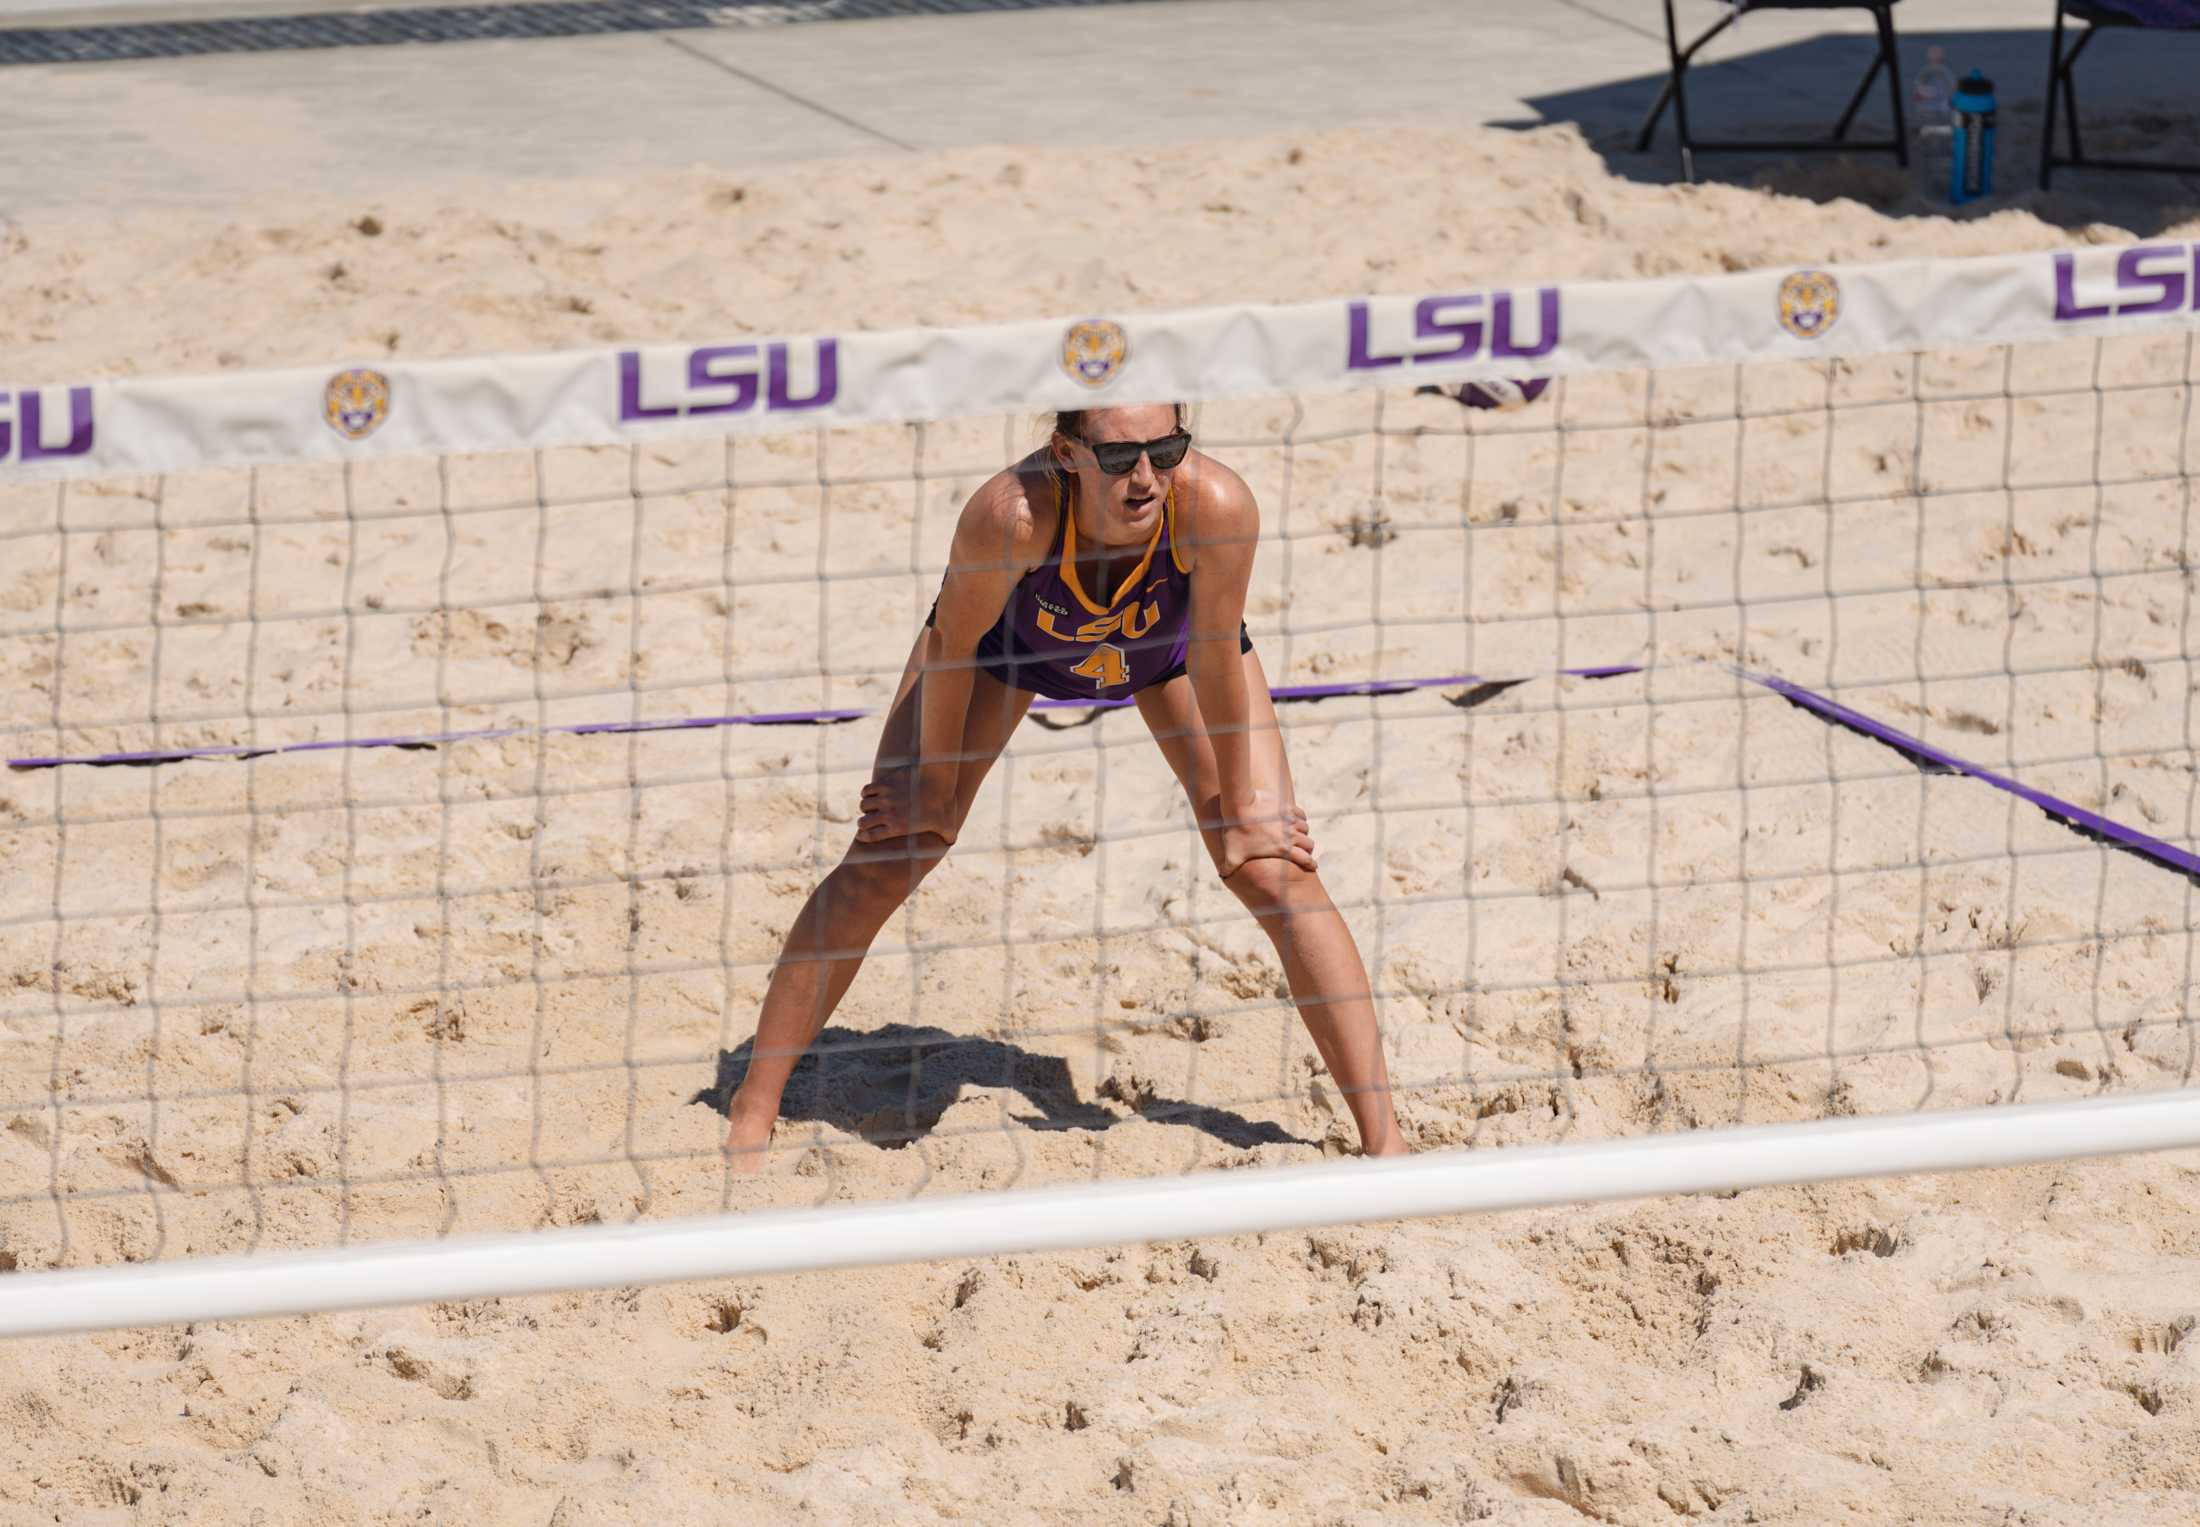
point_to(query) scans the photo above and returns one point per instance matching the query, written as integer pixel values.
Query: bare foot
(1393, 1145)
(748, 1142)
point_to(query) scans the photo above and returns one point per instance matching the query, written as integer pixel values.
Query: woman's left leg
(1320, 961)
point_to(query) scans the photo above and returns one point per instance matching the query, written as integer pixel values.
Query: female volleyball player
(1112, 563)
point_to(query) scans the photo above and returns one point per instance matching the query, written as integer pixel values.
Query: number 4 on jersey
(1104, 665)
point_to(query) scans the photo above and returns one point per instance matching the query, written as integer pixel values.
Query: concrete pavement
(226, 132)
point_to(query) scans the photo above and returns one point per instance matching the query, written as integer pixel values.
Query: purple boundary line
(434, 739)
(2066, 812)
(1289, 692)
(1285, 692)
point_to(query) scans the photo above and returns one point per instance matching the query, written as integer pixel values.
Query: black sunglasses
(1119, 456)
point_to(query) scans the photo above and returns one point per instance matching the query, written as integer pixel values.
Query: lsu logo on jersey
(1126, 621)
(1810, 303)
(1094, 350)
(356, 402)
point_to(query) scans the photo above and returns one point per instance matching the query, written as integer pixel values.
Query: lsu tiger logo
(356, 402)
(1810, 303)
(1094, 350)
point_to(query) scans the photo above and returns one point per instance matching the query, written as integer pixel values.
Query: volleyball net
(1764, 754)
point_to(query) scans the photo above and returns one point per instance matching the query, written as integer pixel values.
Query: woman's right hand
(906, 801)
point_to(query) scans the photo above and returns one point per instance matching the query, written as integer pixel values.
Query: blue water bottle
(1972, 174)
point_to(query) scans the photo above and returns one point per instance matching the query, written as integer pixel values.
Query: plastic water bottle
(1973, 175)
(1933, 113)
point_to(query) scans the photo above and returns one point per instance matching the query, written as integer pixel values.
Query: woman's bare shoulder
(1216, 486)
(1012, 513)
(1213, 504)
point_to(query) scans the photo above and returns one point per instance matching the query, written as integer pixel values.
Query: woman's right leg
(834, 930)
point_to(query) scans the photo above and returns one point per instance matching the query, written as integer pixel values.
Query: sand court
(507, 983)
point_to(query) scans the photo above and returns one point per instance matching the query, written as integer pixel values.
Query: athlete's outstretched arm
(1258, 820)
(993, 548)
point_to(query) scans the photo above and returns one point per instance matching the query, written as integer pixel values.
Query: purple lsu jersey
(1056, 639)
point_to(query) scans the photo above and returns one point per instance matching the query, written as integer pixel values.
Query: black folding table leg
(1675, 91)
(2070, 97)
(1680, 122)
(1893, 60)
(1856, 101)
(2055, 79)
(1657, 110)
(1675, 62)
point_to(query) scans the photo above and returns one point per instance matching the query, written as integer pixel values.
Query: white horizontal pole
(1064, 1218)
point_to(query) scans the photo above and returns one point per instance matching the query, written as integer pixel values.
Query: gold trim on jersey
(1069, 551)
(1176, 553)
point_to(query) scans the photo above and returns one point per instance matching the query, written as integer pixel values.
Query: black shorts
(1176, 670)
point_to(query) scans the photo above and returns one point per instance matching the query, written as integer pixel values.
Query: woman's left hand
(1269, 829)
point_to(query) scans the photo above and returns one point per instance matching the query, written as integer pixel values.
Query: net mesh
(510, 773)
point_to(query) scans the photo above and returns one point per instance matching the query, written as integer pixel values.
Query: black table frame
(1675, 92)
(2062, 97)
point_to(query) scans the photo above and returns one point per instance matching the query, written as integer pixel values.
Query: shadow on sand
(890, 1086)
(2139, 97)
